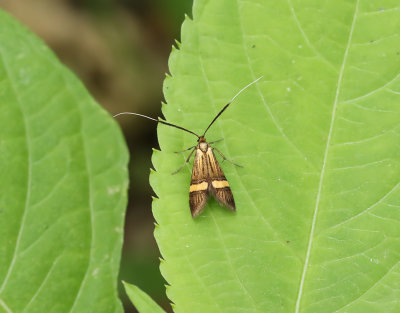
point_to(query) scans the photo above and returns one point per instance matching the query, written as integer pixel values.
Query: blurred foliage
(120, 51)
(63, 185)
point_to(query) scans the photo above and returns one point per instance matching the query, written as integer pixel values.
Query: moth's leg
(225, 159)
(187, 160)
(210, 143)
(190, 148)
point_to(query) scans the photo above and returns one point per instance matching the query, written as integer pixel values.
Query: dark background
(120, 50)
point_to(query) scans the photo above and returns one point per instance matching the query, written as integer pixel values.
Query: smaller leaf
(141, 300)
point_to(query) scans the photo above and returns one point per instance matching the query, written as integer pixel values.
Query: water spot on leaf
(113, 190)
(95, 271)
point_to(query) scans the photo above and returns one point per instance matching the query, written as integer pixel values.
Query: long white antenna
(189, 131)
(131, 113)
(224, 108)
(244, 88)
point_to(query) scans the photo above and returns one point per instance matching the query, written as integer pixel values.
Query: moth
(208, 177)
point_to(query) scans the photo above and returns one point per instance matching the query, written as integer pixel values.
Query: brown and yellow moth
(207, 175)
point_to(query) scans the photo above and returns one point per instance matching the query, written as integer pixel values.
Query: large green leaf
(318, 200)
(63, 185)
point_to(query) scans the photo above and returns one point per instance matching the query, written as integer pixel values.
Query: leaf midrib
(321, 180)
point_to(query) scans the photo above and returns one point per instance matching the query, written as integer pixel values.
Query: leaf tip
(174, 49)
(178, 44)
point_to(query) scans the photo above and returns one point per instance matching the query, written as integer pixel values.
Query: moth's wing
(199, 192)
(197, 201)
(218, 184)
(208, 177)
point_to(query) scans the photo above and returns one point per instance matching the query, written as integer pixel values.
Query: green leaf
(318, 200)
(142, 302)
(63, 183)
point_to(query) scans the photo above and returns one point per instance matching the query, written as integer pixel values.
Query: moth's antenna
(158, 121)
(226, 105)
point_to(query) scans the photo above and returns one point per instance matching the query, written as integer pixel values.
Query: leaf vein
(4, 305)
(29, 178)
(323, 170)
(366, 210)
(361, 165)
(369, 288)
(91, 210)
(383, 87)
(266, 106)
(279, 128)
(43, 282)
(305, 37)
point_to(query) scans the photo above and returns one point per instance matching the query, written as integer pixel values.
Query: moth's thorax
(203, 146)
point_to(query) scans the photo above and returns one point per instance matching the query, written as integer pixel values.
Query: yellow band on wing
(220, 183)
(199, 187)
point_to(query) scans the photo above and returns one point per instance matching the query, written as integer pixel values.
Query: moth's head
(203, 145)
(201, 139)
